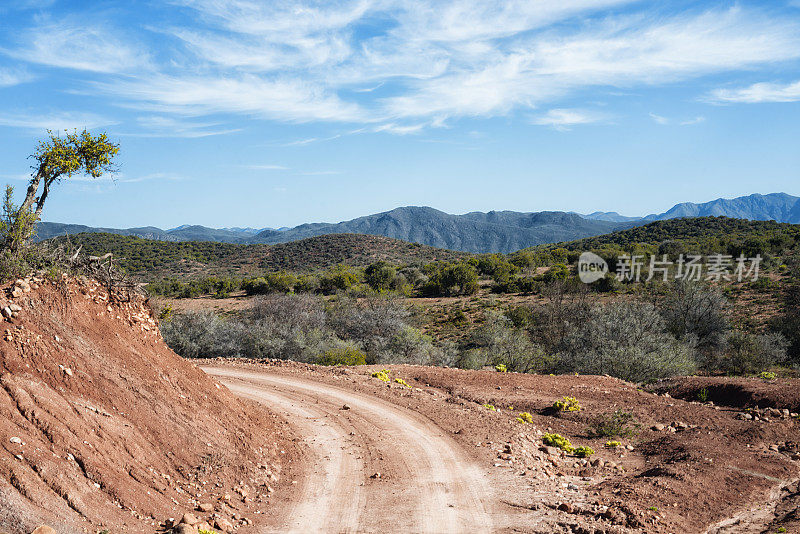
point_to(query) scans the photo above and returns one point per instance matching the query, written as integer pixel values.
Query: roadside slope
(103, 426)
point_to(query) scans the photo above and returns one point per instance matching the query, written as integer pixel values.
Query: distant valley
(477, 232)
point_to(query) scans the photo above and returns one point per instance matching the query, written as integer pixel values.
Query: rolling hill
(700, 235)
(148, 260)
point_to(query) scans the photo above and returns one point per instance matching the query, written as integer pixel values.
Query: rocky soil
(689, 466)
(103, 428)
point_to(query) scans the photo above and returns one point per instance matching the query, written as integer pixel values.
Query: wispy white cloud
(285, 99)
(618, 52)
(310, 140)
(319, 173)
(659, 119)
(161, 126)
(266, 167)
(119, 177)
(563, 119)
(681, 122)
(54, 121)
(695, 120)
(72, 44)
(757, 93)
(322, 61)
(399, 129)
(9, 77)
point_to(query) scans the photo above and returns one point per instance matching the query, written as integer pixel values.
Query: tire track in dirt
(427, 483)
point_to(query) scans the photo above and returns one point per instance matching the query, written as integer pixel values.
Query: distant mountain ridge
(495, 231)
(778, 207)
(478, 232)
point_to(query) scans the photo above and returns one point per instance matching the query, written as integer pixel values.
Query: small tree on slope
(58, 158)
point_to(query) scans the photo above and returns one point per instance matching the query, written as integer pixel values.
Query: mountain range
(495, 231)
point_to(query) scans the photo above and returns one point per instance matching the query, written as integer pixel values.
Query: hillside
(148, 259)
(700, 235)
(102, 426)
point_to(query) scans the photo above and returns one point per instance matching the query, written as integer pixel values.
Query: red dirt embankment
(104, 427)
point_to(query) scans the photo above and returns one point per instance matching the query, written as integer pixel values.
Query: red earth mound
(104, 427)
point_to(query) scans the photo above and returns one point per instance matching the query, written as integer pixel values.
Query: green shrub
(500, 368)
(525, 417)
(583, 451)
(342, 356)
(559, 441)
(615, 424)
(382, 375)
(767, 375)
(567, 404)
(380, 276)
(339, 278)
(626, 340)
(446, 279)
(749, 354)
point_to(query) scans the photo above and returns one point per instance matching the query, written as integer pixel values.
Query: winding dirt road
(374, 467)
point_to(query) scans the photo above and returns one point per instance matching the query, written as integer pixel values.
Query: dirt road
(374, 466)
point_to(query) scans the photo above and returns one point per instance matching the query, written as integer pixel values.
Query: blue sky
(251, 113)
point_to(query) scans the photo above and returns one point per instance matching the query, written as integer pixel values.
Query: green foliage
(765, 284)
(699, 235)
(149, 260)
(767, 375)
(380, 276)
(583, 451)
(520, 316)
(703, 395)
(500, 368)
(338, 278)
(567, 404)
(559, 441)
(501, 343)
(342, 356)
(613, 444)
(166, 313)
(382, 375)
(17, 226)
(558, 271)
(615, 424)
(402, 382)
(696, 312)
(787, 323)
(525, 417)
(410, 345)
(445, 279)
(627, 340)
(490, 407)
(75, 153)
(749, 354)
(276, 282)
(217, 287)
